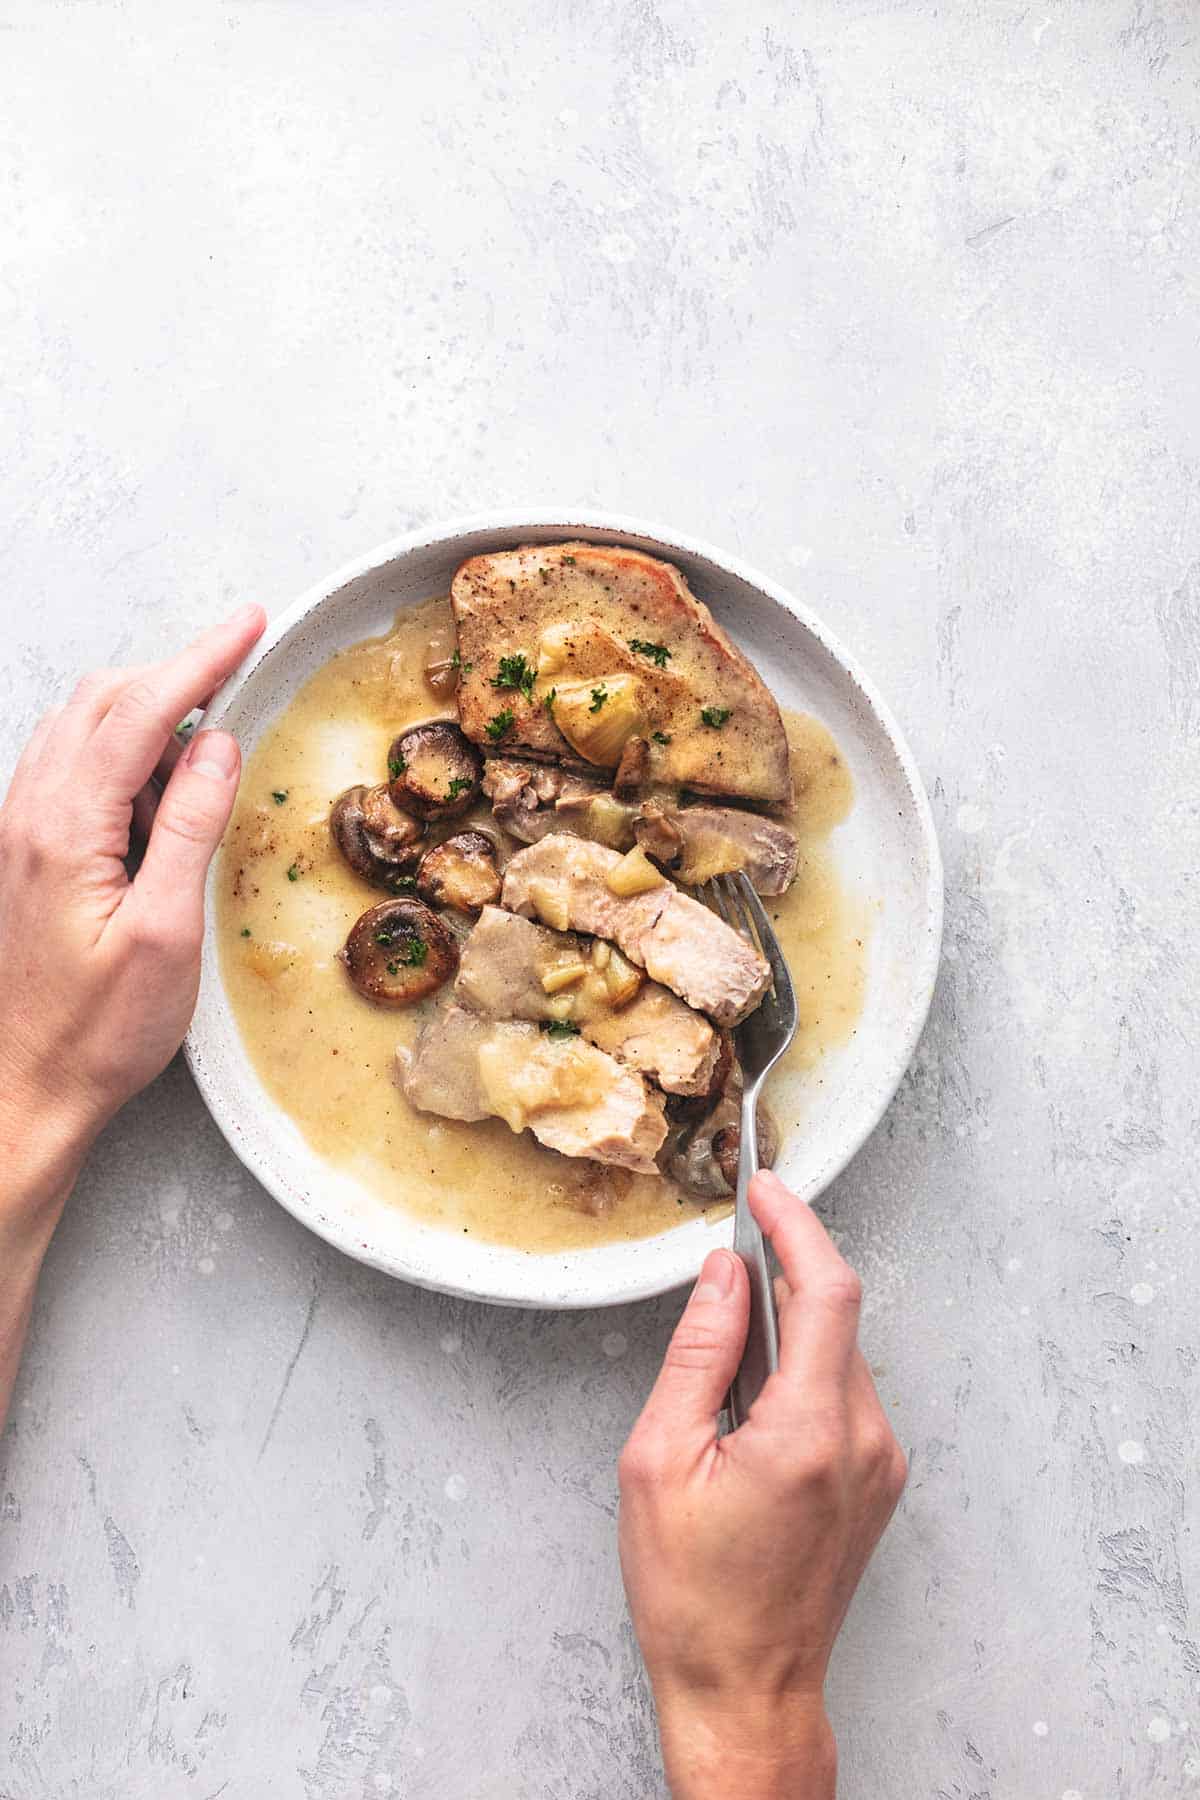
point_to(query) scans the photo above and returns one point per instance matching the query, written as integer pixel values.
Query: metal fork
(761, 1041)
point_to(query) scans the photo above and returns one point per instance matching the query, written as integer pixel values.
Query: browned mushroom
(381, 843)
(398, 952)
(434, 771)
(460, 872)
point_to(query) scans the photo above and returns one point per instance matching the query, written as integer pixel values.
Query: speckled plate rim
(499, 1274)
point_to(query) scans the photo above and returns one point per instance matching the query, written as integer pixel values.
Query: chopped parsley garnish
(661, 737)
(569, 559)
(715, 715)
(456, 662)
(515, 672)
(549, 699)
(559, 1028)
(411, 950)
(245, 931)
(293, 873)
(397, 766)
(458, 785)
(599, 696)
(185, 728)
(402, 883)
(658, 653)
(279, 795)
(502, 723)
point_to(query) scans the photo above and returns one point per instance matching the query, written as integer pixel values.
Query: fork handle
(761, 1355)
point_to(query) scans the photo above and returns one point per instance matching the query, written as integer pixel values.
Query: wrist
(722, 1747)
(43, 1141)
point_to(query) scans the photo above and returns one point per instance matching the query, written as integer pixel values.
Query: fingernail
(213, 753)
(716, 1277)
(244, 614)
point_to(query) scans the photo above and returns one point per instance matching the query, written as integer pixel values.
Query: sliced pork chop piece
(614, 612)
(662, 1036)
(562, 881)
(698, 842)
(506, 961)
(574, 1098)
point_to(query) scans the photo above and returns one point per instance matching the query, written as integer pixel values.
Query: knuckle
(163, 935)
(42, 837)
(896, 1473)
(877, 1446)
(642, 1460)
(92, 685)
(842, 1289)
(694, 1345)
(140, 705)
(186, 820)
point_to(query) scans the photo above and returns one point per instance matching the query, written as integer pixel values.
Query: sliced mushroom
(381, 843)
(460, 872)
(398, 952)
(633, 770)
(435, 771)
(442, 662)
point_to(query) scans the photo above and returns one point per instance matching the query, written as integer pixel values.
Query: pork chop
(712, 723)
(563, 882)
(501, 973)
(574, 1098)
(698, 842)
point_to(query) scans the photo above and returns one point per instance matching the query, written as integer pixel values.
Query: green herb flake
(502, 723)
(293, 873)
(599, 696)
(185, 728)
(715, 716)
(549, 699)
(279, 796)
(412, 952)
(396, 766)
(661, 737)
(459, 784)
(515, 672)
(245, 931)
(570, 559)
(559, 1028)
(402, 883)
(658, 653)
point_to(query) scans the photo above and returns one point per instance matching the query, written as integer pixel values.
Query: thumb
(191, 817)
(704, 1353)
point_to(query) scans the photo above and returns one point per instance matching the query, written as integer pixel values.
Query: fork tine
(720, 900)
(781, 979)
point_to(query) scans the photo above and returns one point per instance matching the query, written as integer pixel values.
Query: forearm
(784, 1751)
(40, 1156)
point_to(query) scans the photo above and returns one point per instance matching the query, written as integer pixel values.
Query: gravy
(286, 901)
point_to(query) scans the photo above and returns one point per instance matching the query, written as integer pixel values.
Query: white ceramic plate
(886, 851)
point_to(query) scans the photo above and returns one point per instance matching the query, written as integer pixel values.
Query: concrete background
(899, 302)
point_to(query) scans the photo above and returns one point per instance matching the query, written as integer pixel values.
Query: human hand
(741, 1554)
(101, 972)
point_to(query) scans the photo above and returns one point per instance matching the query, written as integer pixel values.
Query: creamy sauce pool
(286, 901)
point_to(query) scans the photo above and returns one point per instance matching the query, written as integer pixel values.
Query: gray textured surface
(900, 303)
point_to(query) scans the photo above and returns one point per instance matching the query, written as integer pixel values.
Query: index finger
(133, 733)
(818, 1322)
